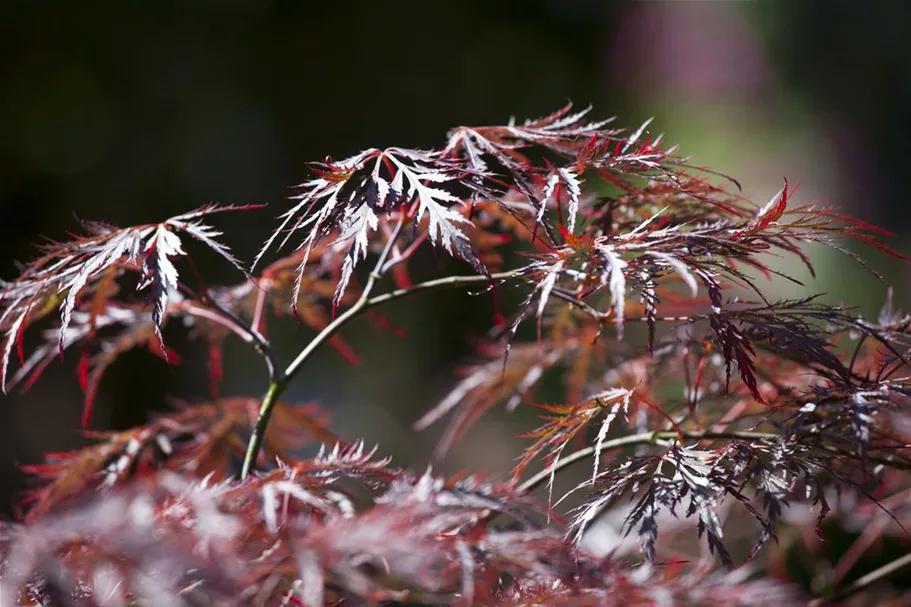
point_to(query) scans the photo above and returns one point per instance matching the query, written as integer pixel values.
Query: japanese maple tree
(722, 406)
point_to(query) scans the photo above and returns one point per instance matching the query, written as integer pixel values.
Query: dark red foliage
(713, 418)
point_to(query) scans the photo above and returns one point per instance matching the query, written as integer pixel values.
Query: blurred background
(132, 112)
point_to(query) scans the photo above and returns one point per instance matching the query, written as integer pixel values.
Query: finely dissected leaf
(620, 399)
(562, 132)
(349, 199)
(550, 269)
(615, 277)
(566, 422)
(135, 328)
(564, 178)
(771, 212)
(68, 271)
(355, 225)
(612, 228)
(200, 543)
(351, 196)
(202, 440)
(103, 336)
(432, 201)
(737, 348)
(678, 267)
(661, 483)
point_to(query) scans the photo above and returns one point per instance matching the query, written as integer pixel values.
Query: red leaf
(20, 332)
(88, 406)
(384, 324)
(401, 277)
(216, 369)
(823, 511)
(66, 271)
(342, 347)
(83, 370)
(166, 353)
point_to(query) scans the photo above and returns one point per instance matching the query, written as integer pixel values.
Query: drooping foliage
(698, 401)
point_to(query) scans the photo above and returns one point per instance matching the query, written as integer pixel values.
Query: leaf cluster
(702, 405)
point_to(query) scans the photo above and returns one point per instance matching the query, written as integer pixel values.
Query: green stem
(279, 382)
(625, 441)
(259, 431)
(448, 281)
(359, 306)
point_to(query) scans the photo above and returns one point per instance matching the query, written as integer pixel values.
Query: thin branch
(221, 315)
(869, 536)
(278, 383)
(259, 430)
(406, 254)
(359, 306)
(228, 319)
(877, 575)
(575, 301)
(605, 317)
(257, 339)
(448, 281)
(627, 441)
(258, 310)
